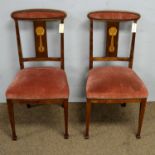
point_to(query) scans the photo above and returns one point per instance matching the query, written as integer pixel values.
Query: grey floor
(40, 131)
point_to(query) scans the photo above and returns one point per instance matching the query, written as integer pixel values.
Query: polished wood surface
(38, 14)
(112, 56)
(112, 19)
(39, 22)
(113, 15)
(38, 17)
(112, 39)
(40, 39)
(111, 59)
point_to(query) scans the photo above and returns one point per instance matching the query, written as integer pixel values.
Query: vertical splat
(40, 38)
(112, 39)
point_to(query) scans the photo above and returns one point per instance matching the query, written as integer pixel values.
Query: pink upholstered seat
(39, 83)
(114, 82)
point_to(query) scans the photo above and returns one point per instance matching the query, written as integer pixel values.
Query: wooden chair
(45, 85)
(114, 84)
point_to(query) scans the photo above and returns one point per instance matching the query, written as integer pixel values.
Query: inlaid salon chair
(114, 84)
(39, 85)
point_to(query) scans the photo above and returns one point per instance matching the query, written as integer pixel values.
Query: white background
(77, 40)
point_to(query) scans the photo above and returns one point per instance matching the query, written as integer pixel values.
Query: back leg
(88, 114)
(123, 105)
(28, 106)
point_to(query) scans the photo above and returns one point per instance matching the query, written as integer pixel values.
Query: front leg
(141, 116)
(11, 118)
(65, 105)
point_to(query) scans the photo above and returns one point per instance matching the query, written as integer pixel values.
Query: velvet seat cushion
(114, 83)
(39, 83)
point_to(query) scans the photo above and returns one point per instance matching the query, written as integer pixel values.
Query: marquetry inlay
(112, 34)
(40, 31)
(112, 39)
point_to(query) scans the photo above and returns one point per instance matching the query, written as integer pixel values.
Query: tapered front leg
(11, 118)
(88, 113)
(65, 105)
(141, 117)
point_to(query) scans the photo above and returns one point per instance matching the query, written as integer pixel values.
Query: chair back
(40, 17)
(113, 19)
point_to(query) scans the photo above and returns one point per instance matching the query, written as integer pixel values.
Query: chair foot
(123, 105)
(66, 136)
(86, 136)
(14, 137)
(138, 136)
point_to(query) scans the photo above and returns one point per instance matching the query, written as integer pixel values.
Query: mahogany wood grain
(62, 47)
(41, 59)
(42, 38)
(132, 48)
(33, 15)
(113, 18)
(111, 59)
(20, 54)
(109, 39)
(38, 17)
(11, 118)
(113, 15)
(91, 45)
(88, 116)
(141, 116)
(39, 14)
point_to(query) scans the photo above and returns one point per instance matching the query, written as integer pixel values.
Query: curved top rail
(113, 15)
(38, 14)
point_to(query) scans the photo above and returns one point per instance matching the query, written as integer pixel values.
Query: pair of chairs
(48, 85)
